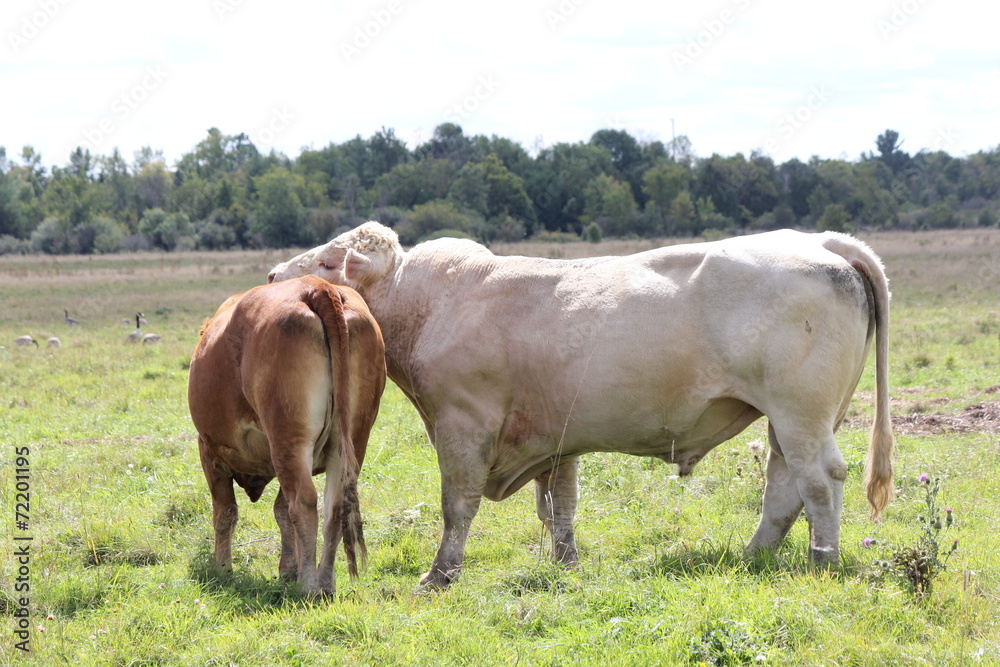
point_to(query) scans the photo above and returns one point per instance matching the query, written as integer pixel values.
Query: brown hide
(285, 382)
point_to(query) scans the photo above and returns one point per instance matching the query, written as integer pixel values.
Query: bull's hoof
(437, 580)
(567, 556)
(318, 593)
(824, 557)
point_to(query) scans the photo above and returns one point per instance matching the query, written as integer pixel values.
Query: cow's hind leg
(288, 562)
(782, 502)
(819, 470)
(333, 498)
(297, 486)
(556, 496)
(225, 512)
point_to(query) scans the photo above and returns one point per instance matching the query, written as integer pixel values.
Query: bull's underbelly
(248, 451)
(530, 453)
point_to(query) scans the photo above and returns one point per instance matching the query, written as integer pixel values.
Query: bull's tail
(327, 302)
(878, 465)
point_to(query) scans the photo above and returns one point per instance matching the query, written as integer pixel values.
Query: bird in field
(136, 336)
(151, 338)
(69, 320)
(54, 342)
(25, 340)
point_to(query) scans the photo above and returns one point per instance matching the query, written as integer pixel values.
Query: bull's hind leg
(819, 471)
(556, 496)
(333, 498)
(297, 487)
(225, 512)
(782, 502)
(288, 562)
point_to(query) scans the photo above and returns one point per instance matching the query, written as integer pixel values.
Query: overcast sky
(794, 79)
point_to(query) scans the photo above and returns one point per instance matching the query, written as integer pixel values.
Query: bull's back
(651, 339)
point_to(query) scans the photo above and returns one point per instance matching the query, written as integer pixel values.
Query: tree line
(225, 193)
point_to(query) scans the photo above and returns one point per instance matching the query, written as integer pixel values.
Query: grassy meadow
(121, 528)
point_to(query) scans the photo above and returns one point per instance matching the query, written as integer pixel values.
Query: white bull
(518, 365)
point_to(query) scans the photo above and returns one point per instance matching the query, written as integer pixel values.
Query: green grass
(121, 518)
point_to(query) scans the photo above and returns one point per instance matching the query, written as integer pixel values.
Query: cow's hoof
(824, 557)
(567, 557)
(436, 580)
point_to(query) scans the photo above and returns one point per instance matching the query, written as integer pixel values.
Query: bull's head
(356, 258)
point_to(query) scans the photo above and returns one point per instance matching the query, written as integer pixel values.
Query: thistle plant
(916, 567)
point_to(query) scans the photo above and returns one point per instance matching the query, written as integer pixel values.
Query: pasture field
(120, 518)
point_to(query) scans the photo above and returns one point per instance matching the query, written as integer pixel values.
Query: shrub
(546, 236)
(98, 235)
(592, 232)
(10, 245)
(503, 228)
(432, 217)
(213, 236)
(52, 237)
(835, 219)
(166, 230)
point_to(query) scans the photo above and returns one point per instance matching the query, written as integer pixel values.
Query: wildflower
(41, 629)
(50, 617)
(868, 542)
(954, 545)
(756, 447)
(923, 479)
(948, 517)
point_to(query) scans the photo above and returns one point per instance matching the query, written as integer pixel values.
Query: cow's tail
(327, 302)
(878, 466)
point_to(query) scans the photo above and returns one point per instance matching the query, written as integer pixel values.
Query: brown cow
(285, 382)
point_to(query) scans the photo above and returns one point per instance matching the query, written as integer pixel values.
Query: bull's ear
(358, 268)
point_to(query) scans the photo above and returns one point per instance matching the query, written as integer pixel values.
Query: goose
(151, 338)
(136, 335)
(54, 342)
(25, 341)
(69, 320)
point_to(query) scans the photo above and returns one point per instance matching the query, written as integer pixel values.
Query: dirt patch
(995, 389)
(979, 417)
